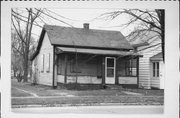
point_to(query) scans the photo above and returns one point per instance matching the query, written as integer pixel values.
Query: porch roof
(157, 57)
(96, 51)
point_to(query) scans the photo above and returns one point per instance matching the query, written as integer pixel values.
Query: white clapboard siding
(81, 79)
(45, 76)
(127, 80)
(144, 65)
(155, 83)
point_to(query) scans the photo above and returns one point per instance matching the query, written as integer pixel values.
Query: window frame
(129, 68)
(73, 68)
(48, 61)
(155, 69)
(59, 65)
(42, 63)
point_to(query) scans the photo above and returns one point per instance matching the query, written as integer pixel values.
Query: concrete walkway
(71, 96)
(94, 110)
(28, 92)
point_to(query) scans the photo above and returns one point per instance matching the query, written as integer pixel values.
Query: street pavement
(93, 110)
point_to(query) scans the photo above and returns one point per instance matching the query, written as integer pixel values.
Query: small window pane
(59, 66)
(42, 63)
(130, 67)
(110, 72)
(157, 69)
(110, 62)
(154, 69)
(48, 62)
(75, 68)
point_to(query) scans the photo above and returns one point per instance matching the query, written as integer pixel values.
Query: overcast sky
(76, 18)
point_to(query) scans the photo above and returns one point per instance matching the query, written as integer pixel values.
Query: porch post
(103, 70)
(65, 69)
(54, 82)
(137, 70)
(116, 75)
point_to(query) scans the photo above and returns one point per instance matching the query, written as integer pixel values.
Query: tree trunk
(15, 71)
(25, 77)
(163, 33)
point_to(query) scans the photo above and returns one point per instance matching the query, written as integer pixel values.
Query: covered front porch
(95, 66)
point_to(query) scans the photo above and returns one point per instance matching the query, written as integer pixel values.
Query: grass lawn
(17, 93)
(147, 92)
(42, 90)
(61, 96)
(75, 101)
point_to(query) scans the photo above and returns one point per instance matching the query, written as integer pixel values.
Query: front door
(110, 63)
(161, 74)
(157, 80)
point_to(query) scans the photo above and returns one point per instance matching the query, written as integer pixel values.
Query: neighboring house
(151, 65)
(83, 55)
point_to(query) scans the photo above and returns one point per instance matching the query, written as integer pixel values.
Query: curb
(79, 105)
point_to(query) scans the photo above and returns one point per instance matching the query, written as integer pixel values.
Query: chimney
(86, 25)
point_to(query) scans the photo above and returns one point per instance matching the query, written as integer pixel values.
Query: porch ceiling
(96, 51)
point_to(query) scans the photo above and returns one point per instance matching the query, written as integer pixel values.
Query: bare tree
(24, 39)
(145, 21)
(16, 59)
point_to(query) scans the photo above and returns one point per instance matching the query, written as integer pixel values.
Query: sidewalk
(94, 110)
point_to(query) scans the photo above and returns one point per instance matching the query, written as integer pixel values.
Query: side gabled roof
(86, 38)
(69, 36)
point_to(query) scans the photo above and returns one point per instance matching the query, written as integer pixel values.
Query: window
(110, 67)
(73, 67)
(48, 62)
(155, 69)
(130, 67)
(42, 63)
(59, 66)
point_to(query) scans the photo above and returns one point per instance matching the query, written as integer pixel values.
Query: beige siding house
(82, 55)
(42, 64)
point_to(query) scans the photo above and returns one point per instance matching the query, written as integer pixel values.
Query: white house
(83, 55)
(151, 65)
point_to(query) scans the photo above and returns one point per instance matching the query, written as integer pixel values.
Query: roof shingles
(86, 37)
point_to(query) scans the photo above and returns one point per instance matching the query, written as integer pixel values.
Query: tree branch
(54, 18)
(149, 47)
(150, 23)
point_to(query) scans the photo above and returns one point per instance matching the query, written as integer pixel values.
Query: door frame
(159, 78)
(114, 68)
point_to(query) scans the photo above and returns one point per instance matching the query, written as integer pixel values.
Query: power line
(60, 15)
(25, 20)
(48, 17)
(70, 18)
(54, 18)
(42, 20)
(35, 34)
(40, 17)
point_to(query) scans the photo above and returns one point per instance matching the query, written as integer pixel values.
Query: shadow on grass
(77, 86)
